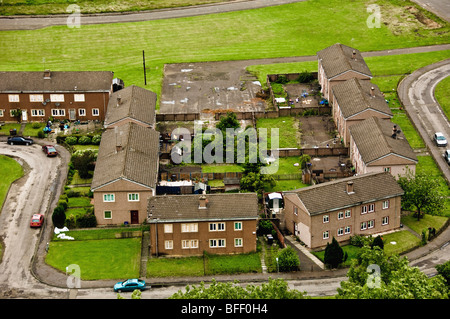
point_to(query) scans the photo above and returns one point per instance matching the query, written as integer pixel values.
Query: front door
(24, 116)
(72, 114)
(134, 217)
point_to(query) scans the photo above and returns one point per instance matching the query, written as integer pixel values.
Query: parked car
(19, 140)
(440, 139)
(129, 285)
(49, 150)
(37, 220)
(447, 156)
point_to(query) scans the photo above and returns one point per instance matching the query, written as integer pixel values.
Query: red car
(37, 220)
(49, 150)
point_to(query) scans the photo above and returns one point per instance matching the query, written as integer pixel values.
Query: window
(348, 213)
(370, 223)
(214, 243)
(108, 198)
(37, 113)
(36, 98)
(168, 228)
(341, 215)
(238, 242)
(347, 229)
(107, 214)
(238, 226)
(1, 113)
(82, 112)
(57, 97)
(189, 228)
(95, 112)
(190, 243)
(340, 231)
(386, 169)
(326, 219)
(212, 227)
(58, 112)
(385, 220)
(295, 211)
(371, 208)
(78, 97)
(168, 244)
(326, 235)
(363, 225)
(363, 209)
(386, 204)
(13, 97)
(216, 226)
(133, 197)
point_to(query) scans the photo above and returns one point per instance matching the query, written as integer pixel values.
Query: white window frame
(81, 112)
(295, 210)
(36, 98)
(370, 224)
(348, 213)
(385, 220)
(326, 234)
(363, 225)
(238, 242)
(95, 112)
(78, 97)
(386, 204)
(371, 208)
(56, 97)
(340, 215)
(37, 112)
(347, 230)
(363, 209)
(109, 198)
(189, 227)
(168, 228)
(216, 226)
(340, 231)
(189, 243)
(1, 113)
(168, 244)
(104, 214)
(326, 219)
(58, 112)
(133, 197)
(13, 98)
(237, 226)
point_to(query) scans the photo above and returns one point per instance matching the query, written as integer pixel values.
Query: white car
(440, 139)
(447, 156)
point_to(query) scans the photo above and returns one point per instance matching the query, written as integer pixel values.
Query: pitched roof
(331, 196)
(220, 207)
(59, 81)
(373, 138)
(355, 96)
(135, 160)
(131, 102)
(338, 59)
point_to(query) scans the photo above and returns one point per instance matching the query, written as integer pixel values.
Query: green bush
(71, 140)
(288, 259)
(40, 134)
(334, 255)
(72, 193)
(71, 222)
(84, 140)
(63, 204)
(59, 217)
(87, 221)
(96, 139)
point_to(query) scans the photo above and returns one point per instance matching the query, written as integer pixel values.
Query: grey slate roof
(338, 59)
(220, 207)
(137, 160)
(59, 81)
(135, 103)
(354, 96)
(373, 137)
(332, 196)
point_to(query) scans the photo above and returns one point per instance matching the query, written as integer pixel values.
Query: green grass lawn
(79, 202)
(4, 129)
(221, 168)
(287, 130)
(285, 185)
(352, 252)
(98, 259)
(288, 30)
(443, 96)
(398, 242)
(77, 180)
(427, 221)
(10, 171)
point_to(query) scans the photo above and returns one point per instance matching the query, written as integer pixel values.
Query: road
(441, 8)
(416, 93)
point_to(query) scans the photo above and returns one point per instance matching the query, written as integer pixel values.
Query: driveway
(416, 92)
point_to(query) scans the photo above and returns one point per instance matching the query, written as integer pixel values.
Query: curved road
(416, 92)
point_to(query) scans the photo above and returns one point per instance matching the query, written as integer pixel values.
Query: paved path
(37, 22)
(416, 93)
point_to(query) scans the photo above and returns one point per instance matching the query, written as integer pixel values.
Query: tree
(59, 216)
(254, 182)
(288, 259)
(228, 121)
(422, 194)
(378, 241)
(274, 289)
(374, 275)
(83, 163)
(334, 255)
(444, 271)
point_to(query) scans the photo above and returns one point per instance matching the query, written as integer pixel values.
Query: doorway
(134, 217)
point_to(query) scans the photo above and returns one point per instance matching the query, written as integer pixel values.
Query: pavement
(441, 8)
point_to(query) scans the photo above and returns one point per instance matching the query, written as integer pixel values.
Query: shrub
(96, 139)
(305, 77)
(58, 217)
(71, 140)
(36, 125)
(72, 193)
(84, 140)
(265, 227)
(288, 259)
(40, 134)
(378, 241)
(444, 271)
(360, 241)
(63, 204)
(71, 222)
(334, 255)
(87, 220)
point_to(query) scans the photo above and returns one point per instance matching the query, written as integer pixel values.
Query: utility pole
(143, 61)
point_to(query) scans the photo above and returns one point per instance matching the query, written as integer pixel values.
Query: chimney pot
(118, 148)
(47, 74)
(354, 54)
(203, 202)
(372, 91)
(350, 188)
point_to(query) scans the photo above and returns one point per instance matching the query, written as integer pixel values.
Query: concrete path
(441, 8)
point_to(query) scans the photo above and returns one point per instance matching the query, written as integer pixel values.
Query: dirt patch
(430, 24)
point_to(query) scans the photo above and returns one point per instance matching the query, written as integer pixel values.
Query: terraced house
(363, 204)
(183, 225)
(37, 96)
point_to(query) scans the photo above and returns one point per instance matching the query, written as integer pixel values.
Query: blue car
(129, 285)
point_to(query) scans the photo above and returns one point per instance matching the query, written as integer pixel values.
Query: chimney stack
(119, 99)
(203, 202)
(354, 54)
(47, 74)
(350, 188)
(118, 148)
(394, 132)
(372, 91)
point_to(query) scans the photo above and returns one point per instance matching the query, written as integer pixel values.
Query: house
(64, 95)
(355, 100)
(338, 63)
(131, 104)
(377, 145)
(182, 225)
(359, 205)
(125, 174)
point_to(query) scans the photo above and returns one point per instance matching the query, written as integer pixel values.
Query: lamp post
(278, 267)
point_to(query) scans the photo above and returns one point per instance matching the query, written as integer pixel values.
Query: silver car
(440, 139)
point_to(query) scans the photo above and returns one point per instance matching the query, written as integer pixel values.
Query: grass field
(288, 131)
(443, 96)
(288, 30)
(10, 170)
